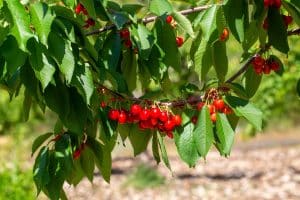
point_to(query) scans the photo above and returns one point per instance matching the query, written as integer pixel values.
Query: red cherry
(155, 113)
(128, 43)
(144, 114)
(79, 8)
(219, 104)
(225, 34)
(103, 104)
(135, 109)
(267, 69)
(266, 24)
(169, 125)
(113, 114)
(170, 134)
(179, 41)
(163, 116)
(227, 110)
(143, 125)
(213, 117)
(122, 117)
(258, 61)
(169, 19)
(76, 154)
(267, 3)
(177, 120)
(130, 117)
(258, 70)
(287, 20)
(200, 105)
(153, 121)
(194, 119)
(274, 66)
(124, 33)
(211, 108)
(277, 3)
(160, 127)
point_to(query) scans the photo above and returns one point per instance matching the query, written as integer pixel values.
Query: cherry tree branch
(294, 32)
(149, 19)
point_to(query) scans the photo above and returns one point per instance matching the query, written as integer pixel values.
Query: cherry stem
(149, 19)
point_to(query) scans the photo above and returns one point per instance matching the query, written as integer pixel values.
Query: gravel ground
(270, 171)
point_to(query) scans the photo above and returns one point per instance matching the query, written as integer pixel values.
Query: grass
(144, 177)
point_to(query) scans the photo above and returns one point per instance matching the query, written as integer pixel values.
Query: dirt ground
(267, 167)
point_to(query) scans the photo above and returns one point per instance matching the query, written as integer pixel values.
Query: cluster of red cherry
(286, 19)
(125, 36)
(218, 105)
(261, 65)
(172, 22)
(275, 3)
(147, 118)
(89, 21)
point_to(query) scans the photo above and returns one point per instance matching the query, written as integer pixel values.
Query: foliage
(85, 59)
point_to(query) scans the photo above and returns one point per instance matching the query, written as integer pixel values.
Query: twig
(150, 19)
(294, 32)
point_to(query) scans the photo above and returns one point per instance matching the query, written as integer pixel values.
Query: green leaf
(41, 18)
(145, 42)
(90, 7)
(102, 158)
(63, 154)
(160, 7)
(238, 89)
(63, 55)
(87, 162)
(21, 23)
(163, 152)
(277, 31)
(166, 40)
(184, 23)
(10, 51)
(220, 59)
(245, 109)
(41, 175)
(132, 9)
(252, 82)
(293, 11)
(130, 70)
(155, 148)
(251, 36)
(208, 22)
(109, 127)
(83, 81)
(41, 64)
(203, 133)
(225, 134)
(139, 140)
(186, 145)
(111, 51)
(39, 141)
(236, 13)
(70, 3)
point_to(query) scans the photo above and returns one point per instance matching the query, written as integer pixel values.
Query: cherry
(103, 104)
(258, 61)
(277, 3)
(227, 110)
(225, 34)
(266, 24)
(219, 104)
(213, 117)
(122, 117)
(194, 119)
(179, 41)
(169, 125)
(128, 43)
(130, 118)
(163, 117)
(153, 121)
(274, 66)
(79, 8)
(200, 105)
(267, 2)
(124, 33)
(287, 20)
(169, 19)
(76, 154)
(143, 125)
(267, 69)
(113, 114)
(155, 112)
(258, 70)
(145, 114)
(177, 120)
(135, 109)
